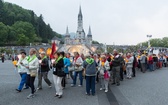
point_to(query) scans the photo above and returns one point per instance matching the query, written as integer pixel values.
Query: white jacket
(130, 62)
(79, 61)
(106, 65)
(33, 65)
(22, 67)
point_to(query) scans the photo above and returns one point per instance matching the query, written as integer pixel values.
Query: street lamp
(13, 49)
(149, 36)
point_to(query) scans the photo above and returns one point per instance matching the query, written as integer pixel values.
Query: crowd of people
(104, 69)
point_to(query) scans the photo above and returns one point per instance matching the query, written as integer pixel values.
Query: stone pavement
(146, 89)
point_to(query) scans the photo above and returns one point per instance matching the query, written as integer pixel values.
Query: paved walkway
(150, 88)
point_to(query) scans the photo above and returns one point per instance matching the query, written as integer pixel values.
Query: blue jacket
(66, 64)
(90, 69)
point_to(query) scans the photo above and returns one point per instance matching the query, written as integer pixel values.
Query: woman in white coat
(104, 74)
(33, 67)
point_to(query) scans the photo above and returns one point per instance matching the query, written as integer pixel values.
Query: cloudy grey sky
(123, 22)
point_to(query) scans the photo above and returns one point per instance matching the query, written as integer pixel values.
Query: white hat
(88, 55)
(42, 52)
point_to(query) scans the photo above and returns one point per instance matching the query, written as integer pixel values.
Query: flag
(53, 50)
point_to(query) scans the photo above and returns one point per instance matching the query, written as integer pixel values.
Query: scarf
(58, 59)
(29, 59)
(43, 58)
(76, 58)
(89, 60)
(103, 62)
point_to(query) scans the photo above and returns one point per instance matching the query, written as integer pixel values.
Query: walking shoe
(93, 94)
(80, 85)
(26, 88)
(113, 83)
(106, 91)
(50, 86)
(56, 95)
(101, 88)
(60, 96)
(87, 94)
(39, 88)
(30, 96)
(18, 90)
(72, 85)
(118, 84)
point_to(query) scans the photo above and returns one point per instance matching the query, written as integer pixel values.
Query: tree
(22, 40)
(95, 42)
(21, 21)
(26, 29)
(1, 10)
(11, 36)
(3, 33)
(165, 41)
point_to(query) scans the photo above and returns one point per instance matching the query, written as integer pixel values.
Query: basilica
(81, 42)
(80, 37)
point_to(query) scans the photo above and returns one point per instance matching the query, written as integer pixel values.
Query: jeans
(30, 83)
(45, 76)
(57, 83)
(71, 74)
(23, 80)
(151, 67)
(80, 77)
(90, 84)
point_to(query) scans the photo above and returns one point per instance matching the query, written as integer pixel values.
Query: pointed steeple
(89, 32)
(80, 12)
(67, 32)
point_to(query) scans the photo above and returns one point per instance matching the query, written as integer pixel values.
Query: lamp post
(13, 48)
(149, 36)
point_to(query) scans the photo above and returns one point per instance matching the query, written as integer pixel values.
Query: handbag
(71, 68)
(80, 68)
(33, 73)
(102, 69)
(106, 75)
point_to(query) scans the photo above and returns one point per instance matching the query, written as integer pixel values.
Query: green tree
(1, 10)
(22, 40)
(95, 42)
(11, 36)
(3, 33)
(165, 41)
(21, 21)
(26, 29)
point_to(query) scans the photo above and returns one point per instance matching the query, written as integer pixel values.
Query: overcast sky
(117, 22)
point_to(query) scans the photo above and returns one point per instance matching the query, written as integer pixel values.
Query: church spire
(80, 12)
(89, 32)
(67, 31)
